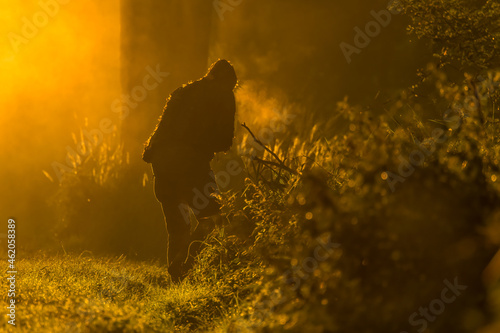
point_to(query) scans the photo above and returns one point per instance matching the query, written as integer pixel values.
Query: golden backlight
(59, 65)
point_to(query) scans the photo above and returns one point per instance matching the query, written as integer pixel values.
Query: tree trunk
(172, 35)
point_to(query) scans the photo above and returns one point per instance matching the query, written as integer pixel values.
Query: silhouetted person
(197, 121)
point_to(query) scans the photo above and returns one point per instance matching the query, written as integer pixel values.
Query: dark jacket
(198, 119)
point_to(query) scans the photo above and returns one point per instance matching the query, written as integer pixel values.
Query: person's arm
(224, 135)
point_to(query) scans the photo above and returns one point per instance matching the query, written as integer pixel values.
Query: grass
(71, 293)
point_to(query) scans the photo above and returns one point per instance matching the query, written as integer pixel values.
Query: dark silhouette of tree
(171, 34)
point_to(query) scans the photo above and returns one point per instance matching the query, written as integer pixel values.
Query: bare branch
(263, 145)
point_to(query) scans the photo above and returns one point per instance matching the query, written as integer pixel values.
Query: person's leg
(178, 239)
(201, 180)
(171, 185)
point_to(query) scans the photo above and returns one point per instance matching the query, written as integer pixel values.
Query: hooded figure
(197, 121)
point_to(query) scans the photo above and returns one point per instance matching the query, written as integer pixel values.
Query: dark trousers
(176, 186)
(178, 240)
